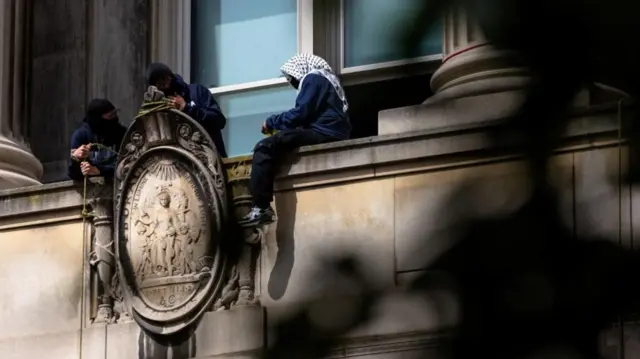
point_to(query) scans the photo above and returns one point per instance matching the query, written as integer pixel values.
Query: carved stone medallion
(169, 225)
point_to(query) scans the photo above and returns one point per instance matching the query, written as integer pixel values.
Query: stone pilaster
(18, 167)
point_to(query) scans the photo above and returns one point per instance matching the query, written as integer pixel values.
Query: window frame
(320, 30)
(379, 65)
(329, 31)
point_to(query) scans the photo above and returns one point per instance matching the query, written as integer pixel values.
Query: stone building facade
(382, 197)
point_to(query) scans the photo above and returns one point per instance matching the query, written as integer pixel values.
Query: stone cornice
(355, 159)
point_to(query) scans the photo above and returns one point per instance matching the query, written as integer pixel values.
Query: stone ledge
(347, 160)
(40, 198)
(372, 156)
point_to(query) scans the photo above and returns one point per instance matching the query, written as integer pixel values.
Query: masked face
(165, 85)
(111, 115)
(295, 83)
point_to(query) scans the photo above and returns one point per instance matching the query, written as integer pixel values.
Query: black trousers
(269, 152)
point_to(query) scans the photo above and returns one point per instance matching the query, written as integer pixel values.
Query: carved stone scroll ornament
(102, 258)
(240, 287)
(170, 214)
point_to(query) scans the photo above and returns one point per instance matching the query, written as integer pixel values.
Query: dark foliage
(525, 284)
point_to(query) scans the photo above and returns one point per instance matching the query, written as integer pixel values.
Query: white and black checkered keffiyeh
(301, 65)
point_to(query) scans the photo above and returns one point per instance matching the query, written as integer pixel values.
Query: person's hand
(265, 129)
(88, 170)
(178, 102)
(81, 152)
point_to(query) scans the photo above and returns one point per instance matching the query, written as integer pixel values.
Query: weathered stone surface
(118, 63)
(603, 207)
(61, 345)
(94, 342)
(237, 332)
(393, 354)
(42, 274)
(353, 218)
(403, 313)
(423, 209)
(562, 177)
(123, 341)
(58, 77)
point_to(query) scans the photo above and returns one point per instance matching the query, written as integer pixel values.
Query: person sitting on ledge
(319, 116)
(193, 99)
(95, 143)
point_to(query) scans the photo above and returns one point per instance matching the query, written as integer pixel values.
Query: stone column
(118, 53)
(476, 83)
(170, 33)
(470, 65)
(18, 167)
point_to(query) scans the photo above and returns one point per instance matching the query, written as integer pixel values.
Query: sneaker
(259, 216)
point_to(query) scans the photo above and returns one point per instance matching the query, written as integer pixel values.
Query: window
(246, 111)
(236, 48)
(368, 36)
(241, 41)
(365, 34)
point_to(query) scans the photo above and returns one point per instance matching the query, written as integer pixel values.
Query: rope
(92, 146)
(270, 133)
(146, 109)
(155, 106)
(94, 259)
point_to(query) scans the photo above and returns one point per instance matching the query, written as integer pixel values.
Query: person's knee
(265, 145)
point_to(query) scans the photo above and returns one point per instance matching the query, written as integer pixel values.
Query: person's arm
(206, 110)
(308, 103)
(78, 139)
(108, 169)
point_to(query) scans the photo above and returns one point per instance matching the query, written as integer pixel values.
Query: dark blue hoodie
(201, 106)
(93, 131)
(318, 107)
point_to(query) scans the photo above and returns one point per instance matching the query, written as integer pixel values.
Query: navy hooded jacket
(102, 158)
(201, 106)
(318, 107)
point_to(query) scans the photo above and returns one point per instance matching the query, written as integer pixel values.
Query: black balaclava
(156, 72)
(101, 127)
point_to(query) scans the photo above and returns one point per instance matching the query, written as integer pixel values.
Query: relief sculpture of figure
(164, 230)
(187, 244)
(183, 208)
(142, 230)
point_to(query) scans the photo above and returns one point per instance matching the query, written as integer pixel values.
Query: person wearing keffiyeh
(319, 116)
